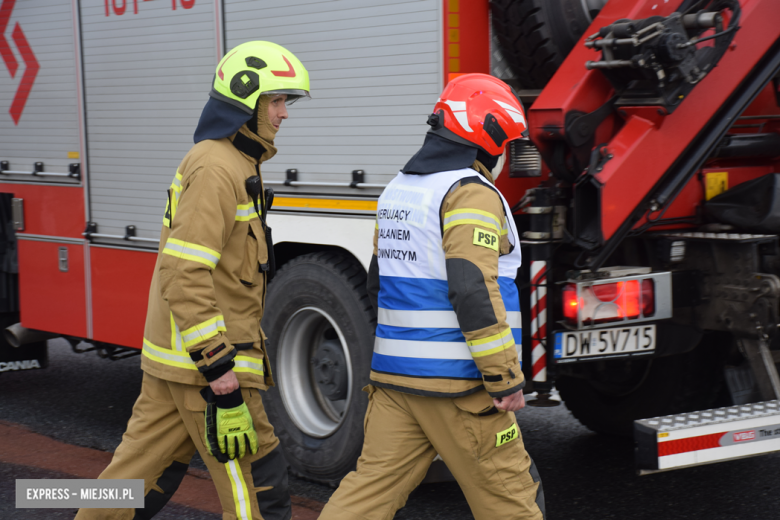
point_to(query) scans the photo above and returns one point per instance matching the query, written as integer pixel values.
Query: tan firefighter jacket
(208, 291)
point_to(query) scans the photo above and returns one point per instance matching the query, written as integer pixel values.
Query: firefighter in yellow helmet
(203, 355)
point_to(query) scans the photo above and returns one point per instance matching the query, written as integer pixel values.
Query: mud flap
(26, 357)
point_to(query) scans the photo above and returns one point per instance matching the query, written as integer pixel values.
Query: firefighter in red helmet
(445, 374)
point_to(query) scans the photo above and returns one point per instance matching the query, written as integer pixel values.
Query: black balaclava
(219, 120)
(440, 155)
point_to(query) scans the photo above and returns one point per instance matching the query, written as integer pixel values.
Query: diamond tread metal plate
(692, 439)
(717, 415)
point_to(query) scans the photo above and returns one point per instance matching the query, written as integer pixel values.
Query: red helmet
(480, 111)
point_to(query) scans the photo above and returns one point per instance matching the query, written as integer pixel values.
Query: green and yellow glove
(235, 431)
(229, 427)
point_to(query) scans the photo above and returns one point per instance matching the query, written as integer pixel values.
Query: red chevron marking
(5, 49)
(219, 72)
(289, 73)
(30, 72)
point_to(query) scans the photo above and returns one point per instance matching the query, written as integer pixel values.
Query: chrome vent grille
(525, 160)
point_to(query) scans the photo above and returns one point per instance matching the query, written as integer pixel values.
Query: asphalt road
(85, 401)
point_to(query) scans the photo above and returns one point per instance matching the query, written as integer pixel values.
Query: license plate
(589, 345)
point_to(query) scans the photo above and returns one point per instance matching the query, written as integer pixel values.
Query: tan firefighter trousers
(166, 428)
(404, 432)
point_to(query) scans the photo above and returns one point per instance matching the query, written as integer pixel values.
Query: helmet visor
(293, 95)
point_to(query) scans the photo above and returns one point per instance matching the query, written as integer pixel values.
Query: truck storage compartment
(52, 288)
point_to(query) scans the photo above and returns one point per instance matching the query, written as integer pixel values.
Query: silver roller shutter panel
(147, 78)
(47, 129)
(375, 70)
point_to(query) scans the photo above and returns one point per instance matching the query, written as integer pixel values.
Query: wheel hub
(330, 370)
(314, 372)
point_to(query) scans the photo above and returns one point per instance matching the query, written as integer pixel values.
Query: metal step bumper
(693, 439)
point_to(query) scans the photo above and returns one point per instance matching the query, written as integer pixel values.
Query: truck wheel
(536, 35)
(320, 326)
(607, 397)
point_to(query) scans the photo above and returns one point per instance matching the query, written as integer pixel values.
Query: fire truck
(647, 196)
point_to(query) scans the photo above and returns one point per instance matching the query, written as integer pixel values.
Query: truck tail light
(617, 300)
(570, 303)
(648, 297)
(594, 303)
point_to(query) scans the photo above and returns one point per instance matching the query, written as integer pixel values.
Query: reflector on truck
(693, 439)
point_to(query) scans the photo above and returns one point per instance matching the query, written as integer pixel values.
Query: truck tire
(536, 35)
(608, 397)
(320, 326)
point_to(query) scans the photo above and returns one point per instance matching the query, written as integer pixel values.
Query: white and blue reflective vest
(417, 332)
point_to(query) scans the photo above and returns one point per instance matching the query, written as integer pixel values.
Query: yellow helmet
(245, 73)
(259, 68)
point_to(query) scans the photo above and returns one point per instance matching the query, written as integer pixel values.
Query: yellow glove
(235, 430)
